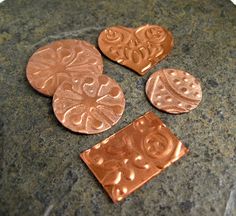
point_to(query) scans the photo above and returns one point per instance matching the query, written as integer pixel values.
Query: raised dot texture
(184, 90)
(168, 98)
(173, 94)
(177, 82)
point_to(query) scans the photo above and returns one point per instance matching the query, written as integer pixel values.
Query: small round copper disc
(89, 104)
(173, 91)
(50, 65)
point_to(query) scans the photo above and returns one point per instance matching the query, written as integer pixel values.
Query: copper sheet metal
(50, 65)
(139, 49)
(126, 160)
(173, 91)
(89, 104)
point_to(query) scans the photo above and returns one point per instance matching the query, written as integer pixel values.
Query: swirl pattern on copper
(89, 104)
(51, 64)
(126, 160)
(138, 49)
(173, 91)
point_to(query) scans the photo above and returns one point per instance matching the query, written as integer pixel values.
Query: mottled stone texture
(41, 172)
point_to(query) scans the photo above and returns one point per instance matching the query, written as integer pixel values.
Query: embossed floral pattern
(89, 103)
(126, 160)
(58, 61)
(138, 49)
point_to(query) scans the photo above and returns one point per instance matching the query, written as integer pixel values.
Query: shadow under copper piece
(126, 160)
(89, 104)
(138, 49)
(53, 63)
(173, 91)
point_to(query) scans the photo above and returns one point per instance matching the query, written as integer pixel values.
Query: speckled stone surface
(41, 172)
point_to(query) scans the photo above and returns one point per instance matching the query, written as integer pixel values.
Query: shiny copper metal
(50, 65)
(139, 49)
(173, 91)
(126, 160)
(89, 104)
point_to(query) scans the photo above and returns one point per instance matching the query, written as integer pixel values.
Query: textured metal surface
(89, 104)
(139, 49)
(41, 173)
(51, 64)
(173, 91)
(129, 158)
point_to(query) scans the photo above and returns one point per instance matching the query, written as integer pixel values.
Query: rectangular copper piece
(129, 158)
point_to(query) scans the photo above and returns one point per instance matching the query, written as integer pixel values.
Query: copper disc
(173, 91)
(50, 65)
(89, 104)
(136, 48)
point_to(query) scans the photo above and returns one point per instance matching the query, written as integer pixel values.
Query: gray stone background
(41, 172)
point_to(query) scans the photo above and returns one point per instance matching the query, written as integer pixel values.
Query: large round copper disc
(173, 91)
(89, 104)
(50, 65)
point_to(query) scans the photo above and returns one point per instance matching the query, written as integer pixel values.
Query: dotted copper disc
(89, 104)
(173, 91)
(50, 65)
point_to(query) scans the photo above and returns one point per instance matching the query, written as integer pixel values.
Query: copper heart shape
(139, 49)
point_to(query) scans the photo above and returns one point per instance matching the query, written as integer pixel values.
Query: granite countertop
(41, 172)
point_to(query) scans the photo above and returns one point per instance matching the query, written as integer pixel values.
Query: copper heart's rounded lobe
(89, 104)
(51, 64)
(173, 91)
(138, 49)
